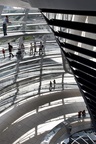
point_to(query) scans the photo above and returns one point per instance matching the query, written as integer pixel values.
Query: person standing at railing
(5, 22)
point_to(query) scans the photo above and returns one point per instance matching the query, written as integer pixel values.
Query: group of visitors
(33, 49)
(81, 113)
(21, 51)
(52, 86)
(10, 48)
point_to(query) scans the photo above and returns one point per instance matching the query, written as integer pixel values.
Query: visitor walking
(10, 48)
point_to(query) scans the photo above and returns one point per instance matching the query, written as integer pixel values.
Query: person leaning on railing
(5, 22)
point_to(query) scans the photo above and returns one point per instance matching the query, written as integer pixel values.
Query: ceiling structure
(59, 4)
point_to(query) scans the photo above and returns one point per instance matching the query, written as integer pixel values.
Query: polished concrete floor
(30, 121)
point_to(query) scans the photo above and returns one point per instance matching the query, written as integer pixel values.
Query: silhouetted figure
(79, 114)
(54, 82)
(50, 86)
(5, 22)
(3, 52)
(83, 113)
(10, 47)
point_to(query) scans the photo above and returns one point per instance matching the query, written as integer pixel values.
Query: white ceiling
(58, 4)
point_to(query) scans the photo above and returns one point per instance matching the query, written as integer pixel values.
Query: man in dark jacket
(10, 47)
